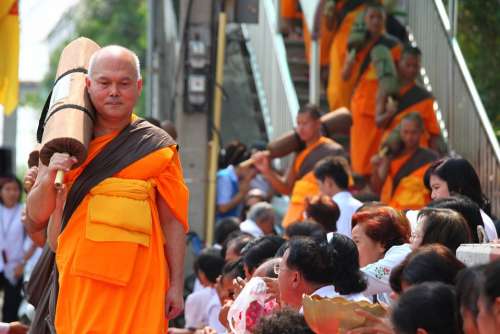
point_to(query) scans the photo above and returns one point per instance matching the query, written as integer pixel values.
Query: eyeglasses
(277, 268)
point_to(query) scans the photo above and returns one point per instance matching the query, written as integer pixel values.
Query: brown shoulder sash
(413, 96)
(319, 152)
(421, 157)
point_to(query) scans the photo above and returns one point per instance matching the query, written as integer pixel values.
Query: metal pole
(215, 142)
(149, 58)
(453, 17)
(314, 73)
(278, 15)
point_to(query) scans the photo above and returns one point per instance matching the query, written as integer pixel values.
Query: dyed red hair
(384, 224)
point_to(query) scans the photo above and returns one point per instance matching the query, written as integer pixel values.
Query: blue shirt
(227, 187)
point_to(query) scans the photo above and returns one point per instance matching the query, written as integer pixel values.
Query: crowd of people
(379, 221)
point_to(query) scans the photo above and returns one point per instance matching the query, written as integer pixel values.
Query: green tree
(106, 22)
(479, 39)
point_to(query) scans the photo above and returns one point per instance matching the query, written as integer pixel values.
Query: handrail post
(453, 17)
(278, 15)
(314, 73)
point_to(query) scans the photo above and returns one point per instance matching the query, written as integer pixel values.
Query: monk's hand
(60, 162)
(29, 178)
(261, 161)
(17, 328)
(174, 302)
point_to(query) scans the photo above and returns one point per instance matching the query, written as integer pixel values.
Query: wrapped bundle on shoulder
(66, 123)
(386, 70)
(358, 36)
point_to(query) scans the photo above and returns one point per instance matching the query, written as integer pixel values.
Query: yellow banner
(9, 56)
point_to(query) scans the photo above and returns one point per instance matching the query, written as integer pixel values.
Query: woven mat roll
(69, 121)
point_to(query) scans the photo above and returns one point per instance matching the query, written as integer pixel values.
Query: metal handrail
(268, 49)
(469, 130)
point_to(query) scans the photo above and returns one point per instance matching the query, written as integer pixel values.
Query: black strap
(413, 96)
(70, 106)
(46, 106)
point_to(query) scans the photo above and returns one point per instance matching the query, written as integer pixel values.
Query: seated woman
(427, 308)
(457, 176)
(381, 234)
(441, 226)
(429, 263)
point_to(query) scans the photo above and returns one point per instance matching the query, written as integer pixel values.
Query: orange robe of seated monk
(290, 9)
(416, 99)
(365, 135)
(304, 186)
(113, 274)
(339, 91)
(405, 189)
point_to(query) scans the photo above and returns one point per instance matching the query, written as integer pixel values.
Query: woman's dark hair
(305, 229)
(233, 269)
(283, 248)
(466, 207)
(209, 262)
(469, 284)
(315, 261)
(383, 224)
(323, 210)
(224, 227)
(491, 287)
(445, 227)
(461, 178)
(283, 321)
(259, 250)
(4, 179)
(430, 306)
(429, 263)
(335, 168)
(347, 278)
(236, 239)
(232, 154)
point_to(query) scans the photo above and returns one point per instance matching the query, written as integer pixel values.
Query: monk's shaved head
(116, 51)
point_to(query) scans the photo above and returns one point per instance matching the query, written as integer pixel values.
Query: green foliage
(121, 22)
(479, 38)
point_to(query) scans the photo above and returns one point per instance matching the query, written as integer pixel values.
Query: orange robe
(423, 103)
(365, 135)
(113, 274)
(325, 41)
(290, 9)
(339, 91)
(407, 191)
(306, 186)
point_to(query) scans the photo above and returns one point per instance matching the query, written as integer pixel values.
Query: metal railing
(469, 130)
(267, 49)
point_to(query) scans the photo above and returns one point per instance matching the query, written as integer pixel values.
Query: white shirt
(4, 328)
(378, 273)
(196, 311)
(348, 206)
(489, 226)
(328, 291)
(11, 240)
(213, 309)
(249, 226)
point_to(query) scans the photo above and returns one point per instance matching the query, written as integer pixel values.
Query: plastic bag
(251, 301)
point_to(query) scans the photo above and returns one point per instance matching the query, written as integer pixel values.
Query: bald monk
(411, 98)
(299, 181)
(400, 177)
(340, 90)
(365, 136)
(119, 241)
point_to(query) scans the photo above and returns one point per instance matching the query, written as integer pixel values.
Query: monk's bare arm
(278, 183)
(385, 111)
(175, 249)
(41, 200)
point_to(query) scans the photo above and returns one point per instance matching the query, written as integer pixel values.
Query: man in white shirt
(260, 220)
(332, 174)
